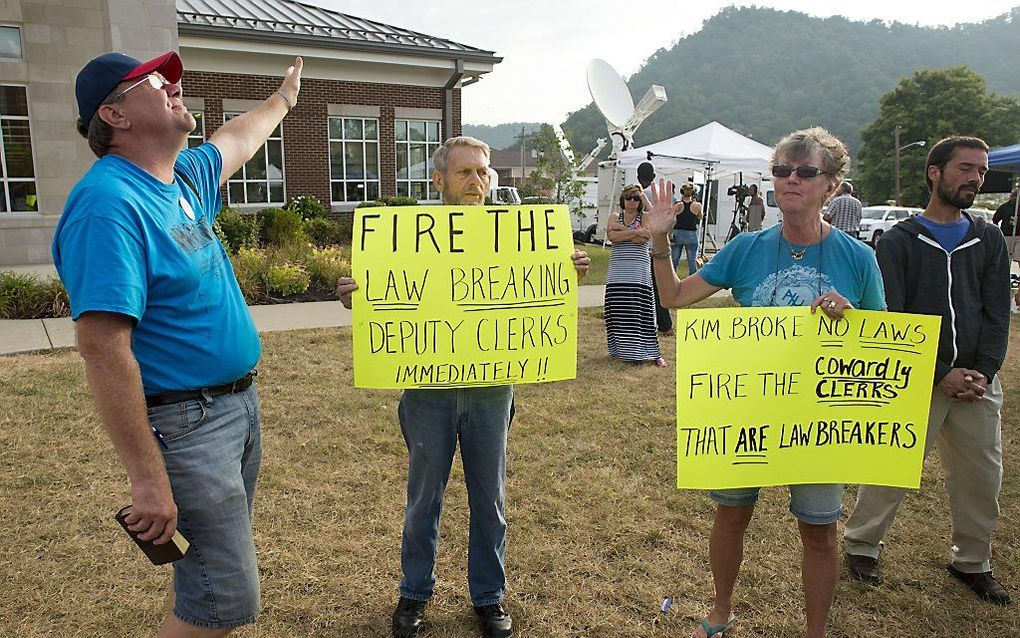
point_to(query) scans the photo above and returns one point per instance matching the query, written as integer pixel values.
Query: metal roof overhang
(333, 43)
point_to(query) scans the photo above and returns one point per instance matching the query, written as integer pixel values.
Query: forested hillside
(765, 72)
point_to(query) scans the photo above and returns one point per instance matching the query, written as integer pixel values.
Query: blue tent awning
(1005, 159)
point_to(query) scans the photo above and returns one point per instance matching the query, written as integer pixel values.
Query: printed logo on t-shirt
(794, 286)
(192, 237)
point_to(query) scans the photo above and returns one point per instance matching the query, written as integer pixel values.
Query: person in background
(685, 229)
(663, 320)
(845, 211)
(755, 209)
(630, 300)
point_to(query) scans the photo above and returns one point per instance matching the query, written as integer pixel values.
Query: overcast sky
(546, 44)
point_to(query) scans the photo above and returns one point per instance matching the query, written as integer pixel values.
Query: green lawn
(598, 534)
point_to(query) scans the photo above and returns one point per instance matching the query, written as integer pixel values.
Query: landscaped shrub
(389, 200)
(23, 296)
(288, 279)
(280, 226)
(308, 206)
(326, 266)
(251, 267)
(237, 230)
(324, 232)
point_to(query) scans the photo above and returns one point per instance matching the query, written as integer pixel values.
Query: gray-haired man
(433, 422)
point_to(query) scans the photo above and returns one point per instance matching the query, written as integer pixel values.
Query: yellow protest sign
(780, 396)
(463, 296)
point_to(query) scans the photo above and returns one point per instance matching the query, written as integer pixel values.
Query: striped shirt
(845, 213)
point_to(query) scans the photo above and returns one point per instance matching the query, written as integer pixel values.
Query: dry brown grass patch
(598, 534)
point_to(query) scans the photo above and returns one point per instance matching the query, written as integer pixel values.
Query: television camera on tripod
(739, 192)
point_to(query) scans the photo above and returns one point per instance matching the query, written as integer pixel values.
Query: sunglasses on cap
(633, 198)
(154, 81)
(803, 172)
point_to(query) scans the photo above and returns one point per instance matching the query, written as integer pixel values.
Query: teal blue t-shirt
(761, 271)
(128, 244)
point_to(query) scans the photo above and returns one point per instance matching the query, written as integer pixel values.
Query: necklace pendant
(798, 254)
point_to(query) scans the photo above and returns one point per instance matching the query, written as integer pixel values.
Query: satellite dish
(611, 95)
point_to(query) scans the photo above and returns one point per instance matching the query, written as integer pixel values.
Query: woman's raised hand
(658, 216)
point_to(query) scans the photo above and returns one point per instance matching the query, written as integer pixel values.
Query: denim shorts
(820, 504)
(212, 454)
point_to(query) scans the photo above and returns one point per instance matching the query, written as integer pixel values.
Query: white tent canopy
(712, 147)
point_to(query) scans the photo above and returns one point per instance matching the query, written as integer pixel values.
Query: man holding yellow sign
(801, 262)
(458, 356)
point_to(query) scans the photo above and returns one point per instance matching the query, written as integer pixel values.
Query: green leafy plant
(324, 232)
(326, 266)
(288, 279)
(237, 230)
(23, 296)
(279, 226)
(251, 268)
(389, 200)
(308, 206)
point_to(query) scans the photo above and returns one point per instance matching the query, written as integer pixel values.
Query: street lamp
(896, 135)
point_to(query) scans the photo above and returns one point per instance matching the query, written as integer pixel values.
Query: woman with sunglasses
(796, 263)
(630, 298)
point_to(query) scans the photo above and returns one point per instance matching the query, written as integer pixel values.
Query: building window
(417, 140)
(10, 43)
(17, 173)
(197, 137)
(260, 180)
(353, 159)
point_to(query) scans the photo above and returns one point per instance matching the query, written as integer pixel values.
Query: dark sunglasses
(633, 198)
(803, 172)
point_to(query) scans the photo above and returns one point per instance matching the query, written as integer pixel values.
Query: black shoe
(496, 621)
(863, 568)
(408, 617)
(983, 584)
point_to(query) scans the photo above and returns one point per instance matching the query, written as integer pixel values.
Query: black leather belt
(167, 398)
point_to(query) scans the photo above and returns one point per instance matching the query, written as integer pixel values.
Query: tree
(554, 173)
(928, 106)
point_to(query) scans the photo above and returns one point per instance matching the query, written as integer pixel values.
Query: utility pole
(522, 137)
(896, 145)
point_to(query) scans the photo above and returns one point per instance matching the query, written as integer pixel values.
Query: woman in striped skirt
(630, 300)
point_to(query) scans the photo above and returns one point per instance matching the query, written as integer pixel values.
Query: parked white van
(875, 220)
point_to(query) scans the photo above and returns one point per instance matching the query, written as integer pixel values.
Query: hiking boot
(408, 617)
(496, 621)
(983, 584)
(863, 568)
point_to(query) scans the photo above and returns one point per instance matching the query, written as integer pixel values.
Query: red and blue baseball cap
(102, 75)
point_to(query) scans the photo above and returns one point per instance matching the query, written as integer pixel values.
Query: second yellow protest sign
(779, 396)
(463, 296)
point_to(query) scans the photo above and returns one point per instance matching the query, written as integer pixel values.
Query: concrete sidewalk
(33, 335)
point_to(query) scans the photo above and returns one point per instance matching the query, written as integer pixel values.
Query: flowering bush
(288, 279)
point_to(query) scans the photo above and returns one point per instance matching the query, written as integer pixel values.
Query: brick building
(376, 99)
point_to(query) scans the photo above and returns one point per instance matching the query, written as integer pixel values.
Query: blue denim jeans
(212, 456)
(686, 239)
(433, 421)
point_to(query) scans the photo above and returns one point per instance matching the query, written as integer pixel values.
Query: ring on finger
(832, 303)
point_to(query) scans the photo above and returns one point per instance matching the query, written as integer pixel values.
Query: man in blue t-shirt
(168, 343)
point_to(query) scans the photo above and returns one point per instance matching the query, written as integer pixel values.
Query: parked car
(876, 220)
(982, 212)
